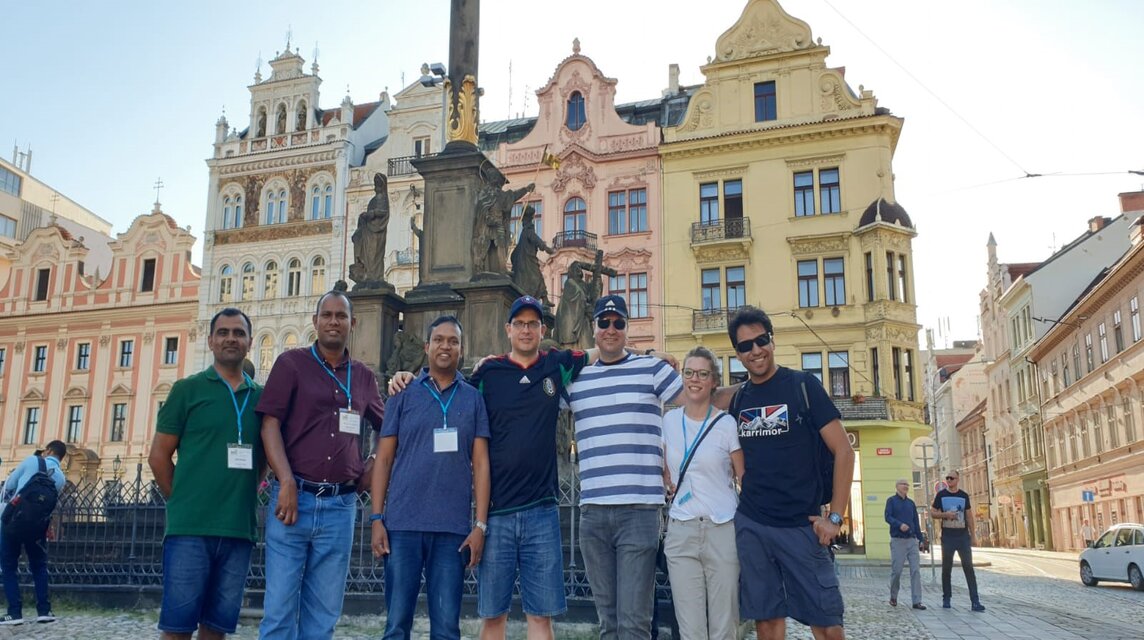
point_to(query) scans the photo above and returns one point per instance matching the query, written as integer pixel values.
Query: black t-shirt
(781, 482)
(956, 502)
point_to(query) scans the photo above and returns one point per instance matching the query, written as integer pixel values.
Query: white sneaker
(9, 620)
(47, 617)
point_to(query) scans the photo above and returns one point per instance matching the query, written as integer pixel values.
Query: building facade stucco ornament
(834, 96)
(19, 348)
(763, 28)
(705, 254)
(828, 244)
(104, 341)
(574, 168)
(61, 343)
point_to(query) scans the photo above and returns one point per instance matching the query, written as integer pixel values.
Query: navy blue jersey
(781, 452)
(523, 405)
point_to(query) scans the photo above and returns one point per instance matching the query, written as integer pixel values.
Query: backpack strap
(43, 465)
(691, 456)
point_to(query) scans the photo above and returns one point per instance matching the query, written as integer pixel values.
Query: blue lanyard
(444, 405)
(233, 398)
(349, 377)
(687, 449)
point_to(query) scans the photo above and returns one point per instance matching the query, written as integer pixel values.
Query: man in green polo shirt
(209, 420)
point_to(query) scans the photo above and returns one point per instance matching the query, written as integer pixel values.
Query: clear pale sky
(112, 95)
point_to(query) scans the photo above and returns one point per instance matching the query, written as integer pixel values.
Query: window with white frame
(75, 423)
(248, 278)
(171, 350)
(270, 280)
(32, 425)
(40, 359)
(1134, 312)
(317, 275)
(1102, 333)
(83, 356)
(126, 353)
(118, 421)
(633, 288)
(1117, 331)
(226, 284)
(232, 211)
(276, 201)
(294, 278)
(627, 211)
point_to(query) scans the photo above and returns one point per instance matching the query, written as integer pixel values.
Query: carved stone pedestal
(376, 311)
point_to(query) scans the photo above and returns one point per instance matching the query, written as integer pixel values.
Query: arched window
(248, 281)
(270, 281)
(294, 278)
(291, 341)
(575, 215)
(575, 117)
(265, 355)
(275, 206)
(315, 202)
(227, 213)
(237, 212)
(226, 284)
(318, 276)
(260, 126)
(280, 119)
(300, 117)
(328, 202)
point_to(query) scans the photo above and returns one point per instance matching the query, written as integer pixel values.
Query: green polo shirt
(207, 497)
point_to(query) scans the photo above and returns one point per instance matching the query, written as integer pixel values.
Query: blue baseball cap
(611, 304)
(525, 302)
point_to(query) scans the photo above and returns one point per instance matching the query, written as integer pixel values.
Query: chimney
(673, 78)
(1097, 223)
(1132, 201)
(1136, 232)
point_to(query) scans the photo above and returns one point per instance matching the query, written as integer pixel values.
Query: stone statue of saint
(490, 225)
(525, 266)
(408, 354)
(368, 269)
(574, 314)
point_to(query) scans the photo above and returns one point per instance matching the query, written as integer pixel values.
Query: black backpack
(825, 456)
(29, 513)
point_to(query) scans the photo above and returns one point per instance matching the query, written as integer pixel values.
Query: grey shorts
(785, 572)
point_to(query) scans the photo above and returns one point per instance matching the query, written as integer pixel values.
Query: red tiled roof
(952, 359)
(361, 112)
(1018, 269)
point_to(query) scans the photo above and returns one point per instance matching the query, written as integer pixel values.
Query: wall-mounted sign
(885, 451)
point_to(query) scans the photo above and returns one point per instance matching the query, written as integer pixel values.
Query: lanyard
(444, 405)
(233, 398)
(688, 449)
(349, 377)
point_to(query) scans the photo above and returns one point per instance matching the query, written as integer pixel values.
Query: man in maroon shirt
(315, 405)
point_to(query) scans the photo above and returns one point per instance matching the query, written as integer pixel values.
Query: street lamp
(117, 468)
(433, 75)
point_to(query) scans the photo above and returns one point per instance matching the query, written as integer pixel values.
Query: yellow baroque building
(778, 192)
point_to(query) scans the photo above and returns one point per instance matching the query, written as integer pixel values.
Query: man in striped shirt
(618, 405)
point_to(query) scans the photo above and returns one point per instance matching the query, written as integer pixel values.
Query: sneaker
(9, 620)
(920, 607)
(945, 604)
(47, 617)
(893, 602)
(978, 607)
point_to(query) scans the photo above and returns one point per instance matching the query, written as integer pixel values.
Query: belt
(325, 489)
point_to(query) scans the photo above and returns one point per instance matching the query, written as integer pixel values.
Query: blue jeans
(619, 544)
(203, 578)
(37, 563)
(410, 553)
(528, 541)
(306, 566)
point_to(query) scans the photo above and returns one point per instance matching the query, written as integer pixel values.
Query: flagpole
(543, 154)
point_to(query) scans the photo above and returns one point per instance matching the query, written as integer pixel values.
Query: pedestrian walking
(906, 540)
(951, 506)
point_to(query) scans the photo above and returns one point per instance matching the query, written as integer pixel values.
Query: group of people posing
(464, 475)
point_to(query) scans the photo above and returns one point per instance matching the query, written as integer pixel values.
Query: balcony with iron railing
(577, 239)
(710, 320)
(403, 166)
(733, 229)
(405, 256)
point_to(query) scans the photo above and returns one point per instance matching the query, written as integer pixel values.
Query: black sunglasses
(619, 323)
(951, 478)
(763, 339)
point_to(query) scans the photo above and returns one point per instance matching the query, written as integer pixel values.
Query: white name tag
(349, 422)
(444, 440)
(239, 456)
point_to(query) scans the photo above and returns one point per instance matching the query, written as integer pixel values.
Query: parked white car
(1117, 555)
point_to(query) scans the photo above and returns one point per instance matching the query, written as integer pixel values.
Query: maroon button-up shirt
(304, 397)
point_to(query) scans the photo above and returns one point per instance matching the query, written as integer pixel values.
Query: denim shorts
(527, 541)
(785, 572)
(203, 579)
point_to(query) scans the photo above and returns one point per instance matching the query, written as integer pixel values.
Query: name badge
(239, 456)
(349, 422)
(444, 440)
(683, 498)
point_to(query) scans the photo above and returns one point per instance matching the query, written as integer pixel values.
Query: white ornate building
(276, 236)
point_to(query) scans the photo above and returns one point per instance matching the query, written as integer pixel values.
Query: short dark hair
(745, 316)
(231, 312)
(58, 448)
(334, 292)
(446, 319)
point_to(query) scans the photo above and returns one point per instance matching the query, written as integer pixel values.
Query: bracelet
(377, 517)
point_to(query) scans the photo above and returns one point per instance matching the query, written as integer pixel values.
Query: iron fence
(110, 533)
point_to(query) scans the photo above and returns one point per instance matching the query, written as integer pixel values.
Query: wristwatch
(835, 519)
(377, 517)
(480, 524)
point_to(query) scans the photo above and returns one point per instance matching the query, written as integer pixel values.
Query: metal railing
(578, 239)
(710, 319)
(404, 165)
(405, 256)
(110, 533)
(727, 229)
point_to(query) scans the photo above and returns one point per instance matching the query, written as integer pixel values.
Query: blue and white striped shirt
(619, 429)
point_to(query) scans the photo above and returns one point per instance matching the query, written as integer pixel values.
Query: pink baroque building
(605, 192)
(88, 352)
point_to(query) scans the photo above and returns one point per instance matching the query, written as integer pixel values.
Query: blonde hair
(704, 352)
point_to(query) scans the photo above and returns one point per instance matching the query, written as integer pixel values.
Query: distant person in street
(39, 473)
(432, 460)
(951, 507)
(209, 423)
(704, 464)
(1087, 533)
(906, 540)
(786, 422)
(315, 406)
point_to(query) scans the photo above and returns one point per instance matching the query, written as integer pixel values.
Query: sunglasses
(619, 323)
(702, 374)
(950, 478)
(762, 340)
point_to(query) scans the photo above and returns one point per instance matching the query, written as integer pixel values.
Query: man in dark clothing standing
(951, 506)
(905, 540)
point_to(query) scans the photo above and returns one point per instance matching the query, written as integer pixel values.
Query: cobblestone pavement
(1019, 605)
